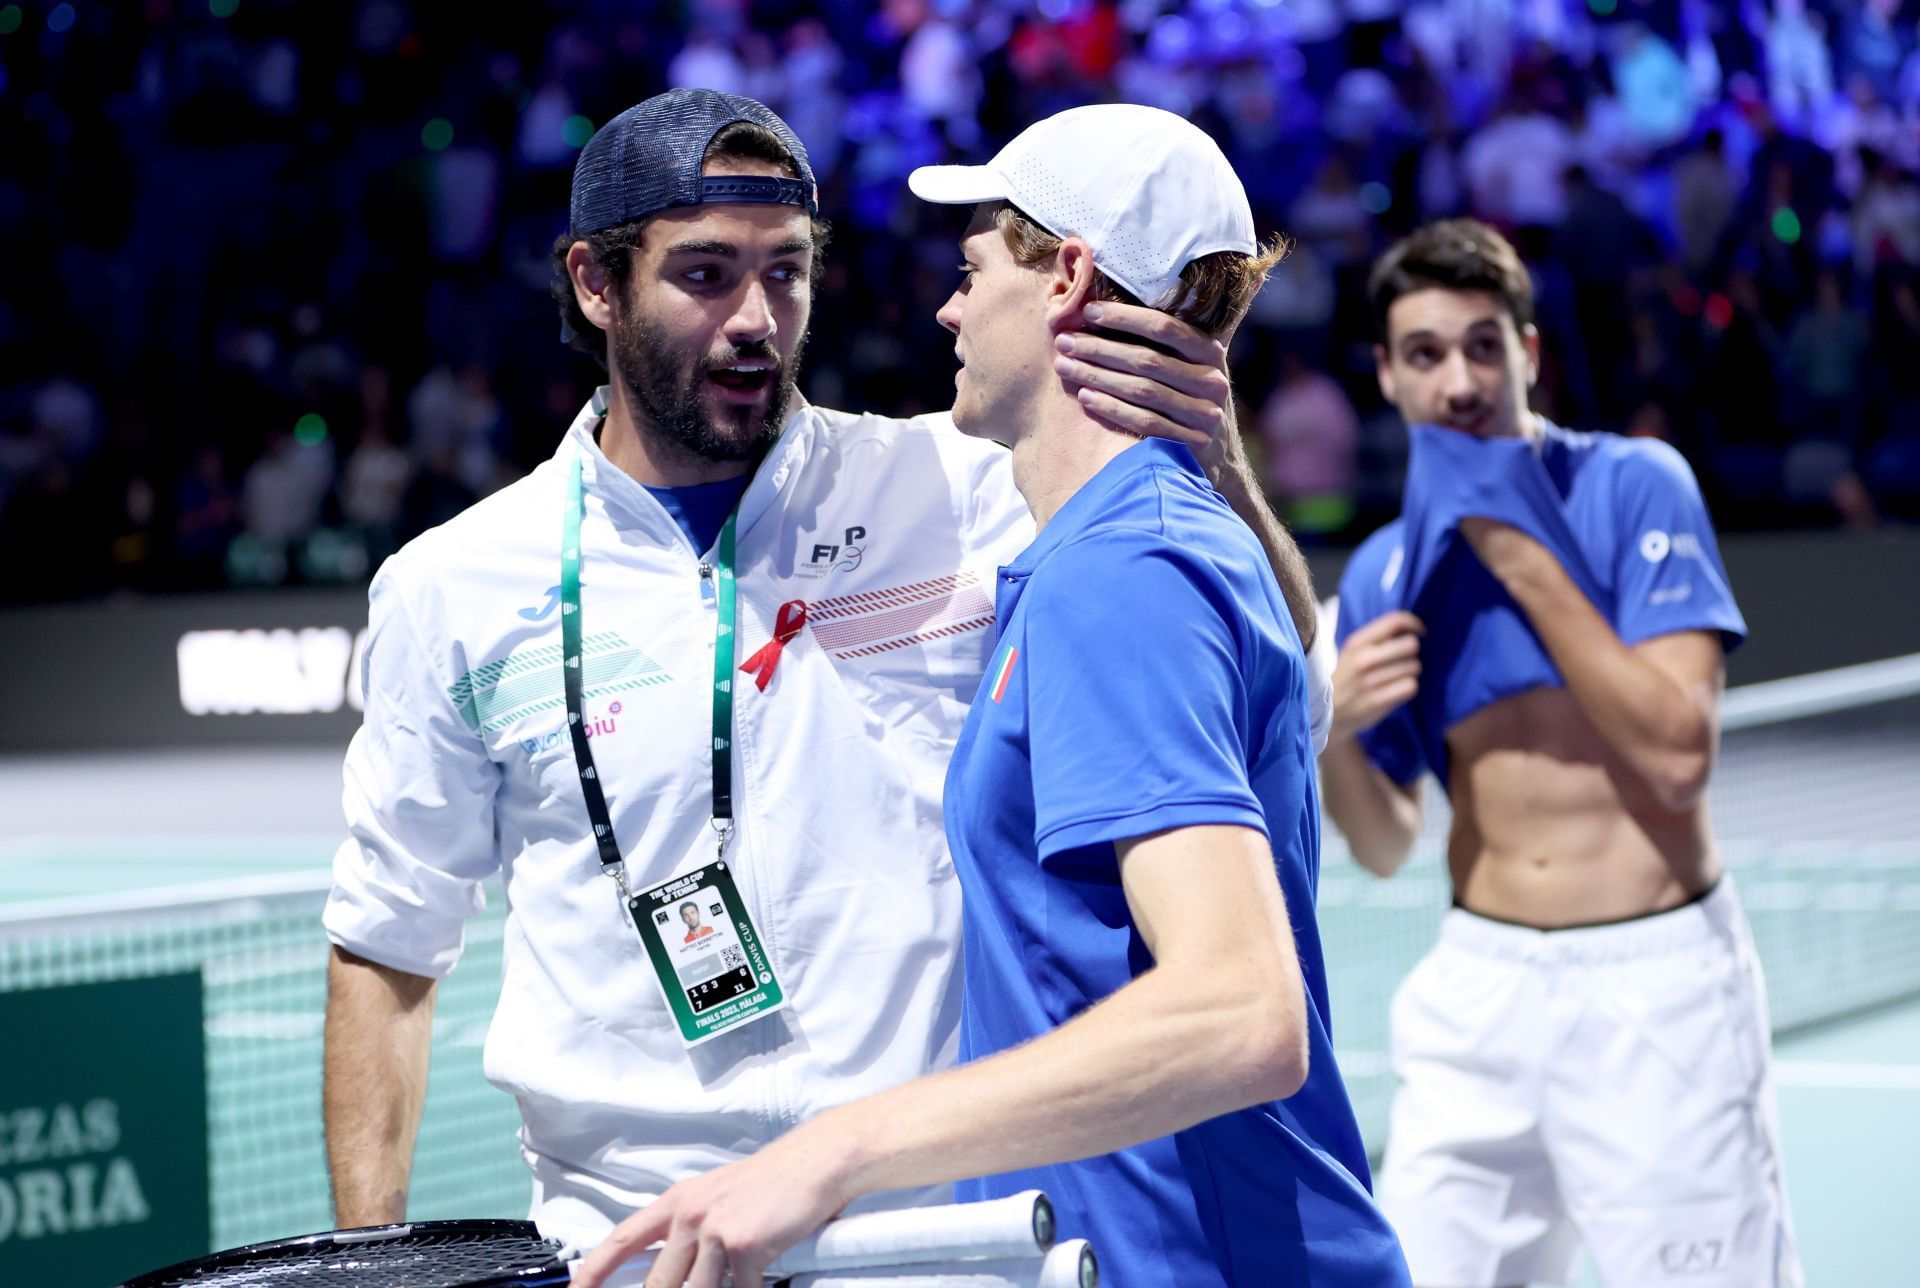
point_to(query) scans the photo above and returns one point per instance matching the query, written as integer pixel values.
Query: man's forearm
(378, 1036)
(1379, 818)
(1155, 1058)
(1664, 732)
(1242, 491)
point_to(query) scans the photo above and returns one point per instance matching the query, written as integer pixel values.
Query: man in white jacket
(771, 617)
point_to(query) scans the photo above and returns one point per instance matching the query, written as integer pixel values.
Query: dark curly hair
(1454, 255)
(612, 248)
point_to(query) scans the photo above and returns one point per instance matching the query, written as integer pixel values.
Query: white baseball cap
(1149, 191)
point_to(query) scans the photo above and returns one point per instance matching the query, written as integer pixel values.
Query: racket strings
(414, 1260)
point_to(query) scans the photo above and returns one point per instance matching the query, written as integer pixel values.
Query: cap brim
(957, 185)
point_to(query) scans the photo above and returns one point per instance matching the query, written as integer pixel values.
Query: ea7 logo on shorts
(841, 556)
(1656, 545)
(1686, 1257)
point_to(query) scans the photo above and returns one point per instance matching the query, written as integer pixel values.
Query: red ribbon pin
(792, 619)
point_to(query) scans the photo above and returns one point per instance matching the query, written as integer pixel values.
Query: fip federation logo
(841, 556)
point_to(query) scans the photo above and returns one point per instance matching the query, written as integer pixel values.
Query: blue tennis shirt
(1624, 518)
(1148, 677)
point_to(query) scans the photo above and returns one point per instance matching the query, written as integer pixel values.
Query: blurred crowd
(273, 275)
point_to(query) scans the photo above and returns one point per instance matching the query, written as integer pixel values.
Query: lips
(740, 377)
(742, 381)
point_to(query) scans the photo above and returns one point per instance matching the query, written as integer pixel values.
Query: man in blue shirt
(1583, 1055)
(1131, 808)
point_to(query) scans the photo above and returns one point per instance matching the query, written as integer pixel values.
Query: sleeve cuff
(1402, 775)
(1732, 632)
(347, 927)
(1157, 818)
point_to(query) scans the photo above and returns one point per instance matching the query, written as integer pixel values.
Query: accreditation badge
(705, 953)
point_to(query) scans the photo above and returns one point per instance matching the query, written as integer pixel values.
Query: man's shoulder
(1651, 461)
(848, 429)
(1642, 461)
(1374, 567)
(920, 467)
(1150, 558)
(1161, 515)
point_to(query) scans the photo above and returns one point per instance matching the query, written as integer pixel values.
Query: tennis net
(1816, 802)
(1816, 805)
(262, 959)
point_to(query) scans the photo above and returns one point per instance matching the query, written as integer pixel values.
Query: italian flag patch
(1003, 672)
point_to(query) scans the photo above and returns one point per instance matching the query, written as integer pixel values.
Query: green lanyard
(574, 665)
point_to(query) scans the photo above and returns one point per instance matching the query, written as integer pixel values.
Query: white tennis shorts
(1606, 1084)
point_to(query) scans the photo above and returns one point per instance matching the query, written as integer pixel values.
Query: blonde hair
(1215, 290)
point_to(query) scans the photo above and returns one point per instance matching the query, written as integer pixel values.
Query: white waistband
(1714, 917)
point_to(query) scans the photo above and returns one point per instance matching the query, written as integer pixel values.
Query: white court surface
(73, 824)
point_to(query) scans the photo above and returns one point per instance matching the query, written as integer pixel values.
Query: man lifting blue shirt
(1583, 1055)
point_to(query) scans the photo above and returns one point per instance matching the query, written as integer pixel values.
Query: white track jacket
(891, 531)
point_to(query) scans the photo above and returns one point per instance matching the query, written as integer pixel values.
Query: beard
(670, 388)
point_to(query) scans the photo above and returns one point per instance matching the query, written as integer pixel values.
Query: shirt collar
(617, 489)
(1084, 506)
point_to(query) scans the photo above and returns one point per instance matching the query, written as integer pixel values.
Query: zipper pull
(706, 571)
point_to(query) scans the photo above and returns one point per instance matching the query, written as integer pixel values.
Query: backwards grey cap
(647, 159)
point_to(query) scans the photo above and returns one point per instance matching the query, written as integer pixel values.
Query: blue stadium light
(1375, 198)
(60, 18)
(577, 131)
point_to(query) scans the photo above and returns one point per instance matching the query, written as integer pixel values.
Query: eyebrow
(727, 250)
(1479, 324)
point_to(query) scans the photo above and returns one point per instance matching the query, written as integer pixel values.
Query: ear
(1383, 372)
(590, 285)
(1070, 284)
(1530, 337)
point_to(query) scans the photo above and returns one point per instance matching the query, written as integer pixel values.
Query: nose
(949, 314)
(1457, 385)
(752, 321)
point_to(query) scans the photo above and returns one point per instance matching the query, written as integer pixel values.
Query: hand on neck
(642, 451)
(1060, 449)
